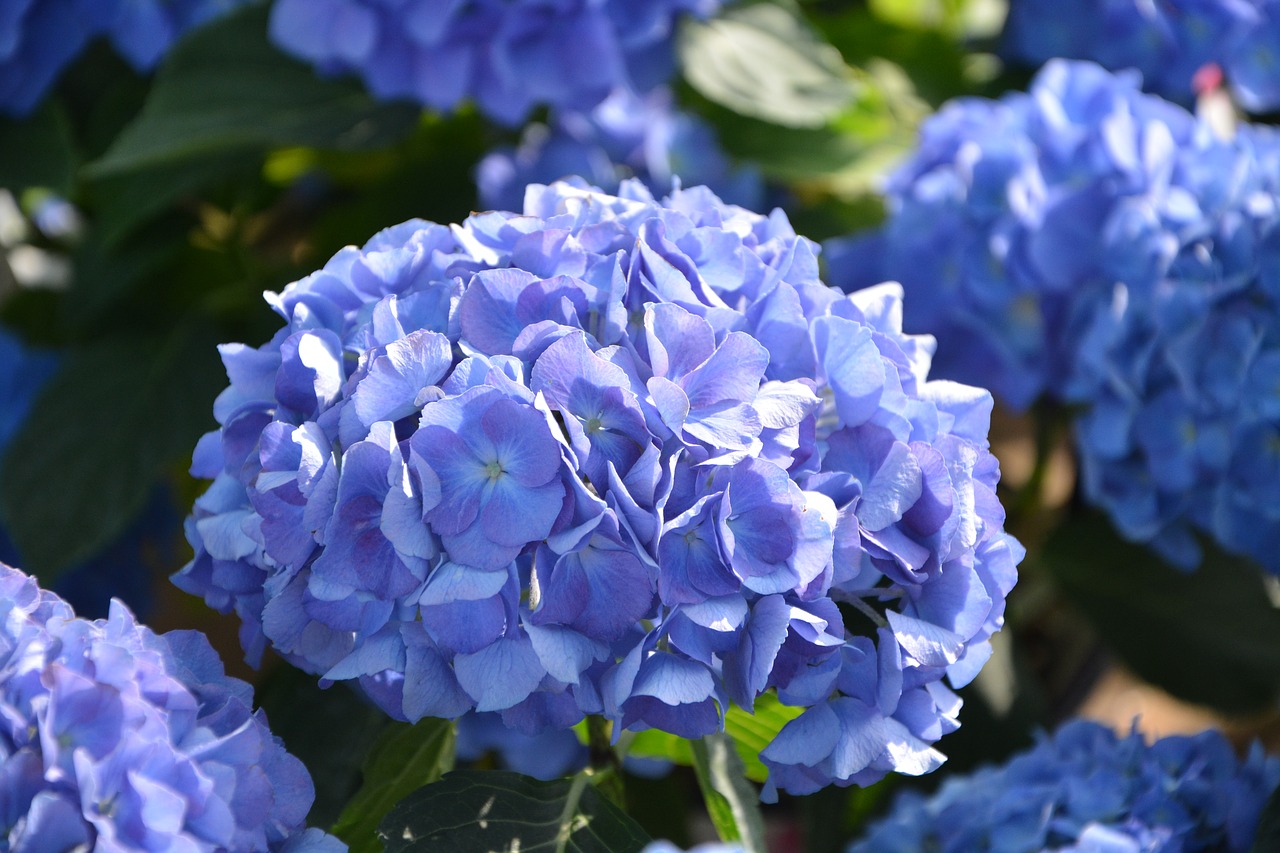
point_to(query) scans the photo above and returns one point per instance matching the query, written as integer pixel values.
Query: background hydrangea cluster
(610, 457)
(1168, 41)
(1085, 789)
(1101, 247)
(626, 135)
(115, 738)
(39, 38)
(506, 56)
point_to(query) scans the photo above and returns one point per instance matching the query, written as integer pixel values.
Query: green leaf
(1209, 636)
(477, 811)
(765, 61)
(227, 88)
(732, 802)
(750, 734)
(1267, 838)
(846, 157)
(37, 151)
(961, 18)
(122, 201)
(117, 416)
(405, 758)
(305, 717)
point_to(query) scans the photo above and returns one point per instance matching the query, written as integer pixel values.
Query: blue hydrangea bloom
(1169, 41)
(546, 755)
(1086, 790)
(115, 738)
(612, 456)
(39, 38)
(627, 135)
(1102, 247)
(508, 56)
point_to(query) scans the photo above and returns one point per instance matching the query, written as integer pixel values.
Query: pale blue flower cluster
(1102, 247)
(508, 56)
(39, 38)
(1085, 790)
(1168, 41)
(611, 456)
(626, 135)
(113, 738)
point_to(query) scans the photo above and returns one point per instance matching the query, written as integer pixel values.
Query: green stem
(605, 768)
(1048, 428)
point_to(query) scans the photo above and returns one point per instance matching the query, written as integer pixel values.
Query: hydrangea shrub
(1169, 41)
(1087, 790)
(507, 56)
(1101, 247)
(116, 738)
(610, 456)
(39, 38)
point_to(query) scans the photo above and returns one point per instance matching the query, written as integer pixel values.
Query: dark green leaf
(476, 811)
(764, 60)
(1267, 838)
(118, 415)
(227, 88)
(732, 802)
(749, 732)
(405, 758)
(122, 201)
(306, 717)
(1210, 636)
(102, 278)
(37, 151)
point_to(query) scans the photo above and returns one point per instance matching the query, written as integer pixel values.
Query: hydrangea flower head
(118, 739)
(1099, 246)
(1169, 42)
(39, 38)
(1086, 790)
(627, 135)
(507, 55)
(610, 456)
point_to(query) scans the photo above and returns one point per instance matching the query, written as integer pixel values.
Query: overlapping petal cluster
(508, 56)
(1169, 42)
(114, 738)
(1085, 790)
(610, 457)
(1102, 247)
(627, 135)
(39, 38)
